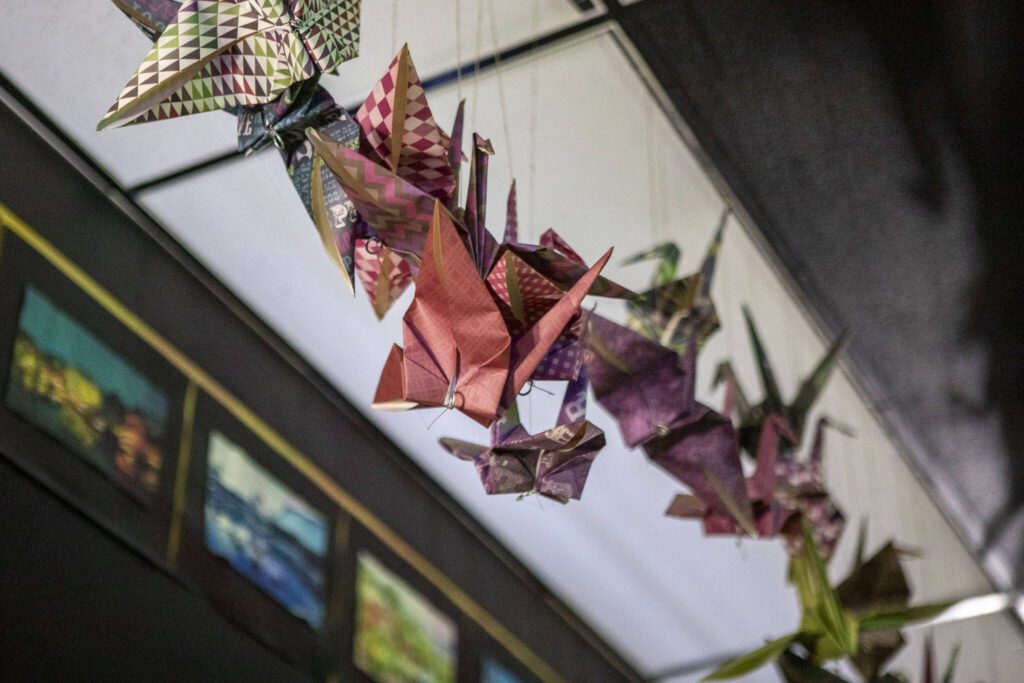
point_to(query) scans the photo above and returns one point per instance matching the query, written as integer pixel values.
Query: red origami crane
(458, 352)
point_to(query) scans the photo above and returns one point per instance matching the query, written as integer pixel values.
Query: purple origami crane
(554, 463)
(649, 389)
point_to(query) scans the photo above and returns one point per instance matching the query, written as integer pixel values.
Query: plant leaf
(947, 677)
(754, 659)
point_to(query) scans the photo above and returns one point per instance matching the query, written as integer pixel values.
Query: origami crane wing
(456, 346)
(530, 348)
(397, 212)
(647, 387)
(222, 53)
(384, 273)
(558, 262)
(399, 129)
(702, 453)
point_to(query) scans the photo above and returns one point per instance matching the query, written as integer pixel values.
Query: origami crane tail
(463, 450)
(686, 507)
(390, 393)
(530, 349)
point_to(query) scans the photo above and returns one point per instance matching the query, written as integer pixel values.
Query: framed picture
(88, 408)
(261, 541)
(399, 635)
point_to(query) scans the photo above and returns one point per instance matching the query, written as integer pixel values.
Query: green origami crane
(860, 619)
(676, 309)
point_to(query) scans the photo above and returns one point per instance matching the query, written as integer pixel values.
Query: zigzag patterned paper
(225, 53)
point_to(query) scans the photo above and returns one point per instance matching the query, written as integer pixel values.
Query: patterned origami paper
(283, 123)
(217, 54)
(649, 390)
(674, 310)
(404, 161)
(151, 16)
(856, 619)
(752, 416)
(400, 133)
(458, 352)
(554, 463)
(784, 493)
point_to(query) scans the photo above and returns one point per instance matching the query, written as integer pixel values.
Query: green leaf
(772, 396)
(752, 660)
(812, 387)
(894, 619)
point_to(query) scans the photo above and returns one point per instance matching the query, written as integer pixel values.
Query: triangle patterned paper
(226, 53)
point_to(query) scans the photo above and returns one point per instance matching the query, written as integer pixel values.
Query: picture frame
(426, 610)
(87, 408)
(261, 542)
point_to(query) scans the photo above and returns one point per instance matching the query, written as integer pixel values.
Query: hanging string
(476, 63)
(394, 26)
(652, 193)
(534, 94)
(458, 50)
(501, 88)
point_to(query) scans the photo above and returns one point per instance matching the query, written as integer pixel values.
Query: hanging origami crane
(795, 414)
(856, 620)
(282, 122)
(401, 167)
(785, 493)
(223, 53)
(675, 310)
(458, 352)
(554, 463)
(649, 390)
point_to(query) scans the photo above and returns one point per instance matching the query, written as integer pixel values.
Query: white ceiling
(595, 160)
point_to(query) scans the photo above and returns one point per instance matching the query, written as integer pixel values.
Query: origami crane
(458, 352)
(675, 310)
(784, 494)
(403, 162)
(528, 280)
(554, 463)
(857, 619)
(795, 414)
(649, 390)
(222, 53)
